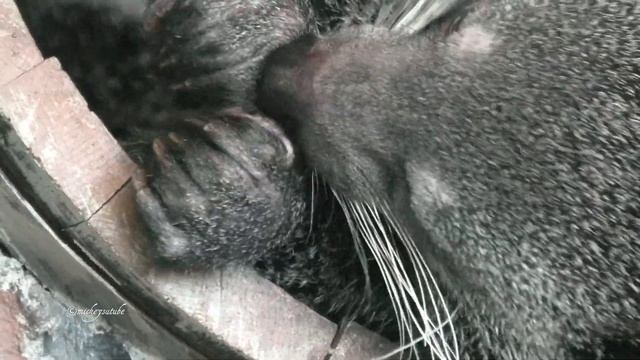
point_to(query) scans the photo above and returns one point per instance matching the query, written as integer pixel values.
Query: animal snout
(285, 88)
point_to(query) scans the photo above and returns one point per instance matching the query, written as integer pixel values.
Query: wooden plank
(232, 309)
(55, 264)
(52, 119)
(72, 171)
(11, 329)
(18, 52)
(47, 134)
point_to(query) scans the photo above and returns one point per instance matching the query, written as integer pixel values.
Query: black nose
(284, 89)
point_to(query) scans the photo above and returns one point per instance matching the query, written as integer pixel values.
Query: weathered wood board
(11, 329)
(64, 162)
(18, 52)
(57, 266)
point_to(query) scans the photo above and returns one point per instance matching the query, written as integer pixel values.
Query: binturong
(484, 153)
(500, 147)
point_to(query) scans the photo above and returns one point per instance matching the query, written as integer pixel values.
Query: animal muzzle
(285, 88)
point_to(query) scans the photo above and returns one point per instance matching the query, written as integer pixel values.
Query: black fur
(232, 193)
(504, 137)
(509, 149)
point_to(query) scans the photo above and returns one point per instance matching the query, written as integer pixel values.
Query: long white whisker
(362, 256)
(408, 294)
(388, 280)
(421, 300)
(387, 260)
(389, 13)
(391, 259)
(314, 180)
(415, 254)
(404, 347)
(375, 214)
(409, 290)
(420, 280)
(411, 16)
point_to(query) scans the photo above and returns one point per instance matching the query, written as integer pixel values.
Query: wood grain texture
(18, 52)
(72, 171)
(68, 141)
(11, 329)
(61, 269)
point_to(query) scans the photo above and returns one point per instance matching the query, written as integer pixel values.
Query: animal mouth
(422, 315)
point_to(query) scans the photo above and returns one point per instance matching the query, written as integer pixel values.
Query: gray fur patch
(428, 191)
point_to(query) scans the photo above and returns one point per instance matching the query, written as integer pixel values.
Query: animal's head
(506, 151)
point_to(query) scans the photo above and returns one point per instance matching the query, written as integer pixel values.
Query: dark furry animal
(498, 140)
(244, 198)
(509, 150)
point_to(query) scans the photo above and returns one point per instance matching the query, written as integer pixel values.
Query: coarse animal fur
(508, 150)
(277, 218)
(485, 154)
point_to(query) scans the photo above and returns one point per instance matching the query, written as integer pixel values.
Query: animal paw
(197, 52)
(223, 191)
